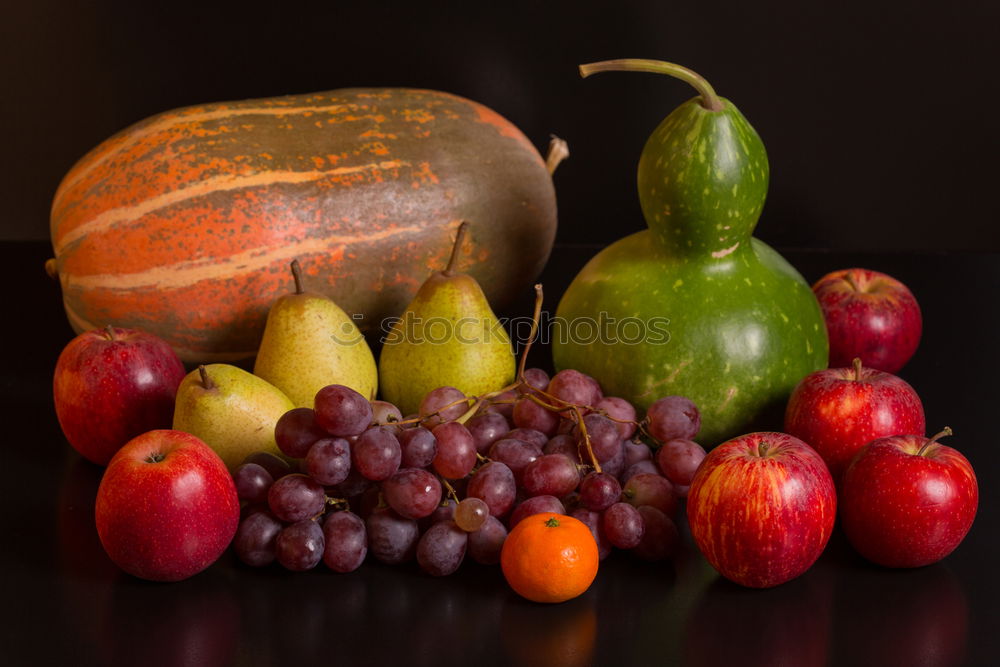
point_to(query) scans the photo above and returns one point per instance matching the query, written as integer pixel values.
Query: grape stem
(449, 489)
(535, 315)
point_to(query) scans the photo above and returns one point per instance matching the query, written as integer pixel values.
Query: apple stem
(709, 99)
(857, 369)
(762, 449)
(459, 237)
(109, 331)
(206, 381)
(942, 433)
(297, 275)
(155, 457)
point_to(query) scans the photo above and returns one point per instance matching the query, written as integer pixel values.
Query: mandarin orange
(549, 558)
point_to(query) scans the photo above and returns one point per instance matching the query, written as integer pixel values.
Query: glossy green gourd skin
(743, 325)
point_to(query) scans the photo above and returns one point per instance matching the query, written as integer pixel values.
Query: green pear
(309, 343)
(232, 410)
(448, 336)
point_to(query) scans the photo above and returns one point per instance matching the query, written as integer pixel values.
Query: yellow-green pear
(309, 343)
(232, 410)
(448, 336)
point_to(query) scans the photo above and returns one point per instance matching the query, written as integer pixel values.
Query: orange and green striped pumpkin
(184, 224)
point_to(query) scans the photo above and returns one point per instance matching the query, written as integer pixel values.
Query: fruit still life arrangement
(264, 244)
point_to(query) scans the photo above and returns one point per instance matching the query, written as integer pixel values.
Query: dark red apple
(908, 501)
(869, 315)
(838, 411)
(167, 507)
(111, 385)
(761, 508)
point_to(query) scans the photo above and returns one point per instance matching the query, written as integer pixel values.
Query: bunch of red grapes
(453, 480)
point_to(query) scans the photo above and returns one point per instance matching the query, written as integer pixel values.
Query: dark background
(879, 117)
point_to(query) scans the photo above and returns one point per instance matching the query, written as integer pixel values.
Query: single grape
(494, 484)
(471, 513)
(386, 414)
(377, 453)
(564, 444)
(679, 460)
(623, 525)
(276, 466)
(536, 378)
(456, 450)
(441, 549)
(650, 489)
(445, 511)
(673, 418)
(550, 475)
(418, 447)
(529, 435)
(660, 536)
(593, 521)
(341, 411)
(642, 467)
(501, 404)
(636, 451)
(616, 464)
(255, 538)
(574, 387)
(300, 546)
(515, 454)
(413, 492)
(528, 414)
(620, 409)
(486, 428)
(346, 541)
(296, 497)
(443, 404)
(354, 485)
(329, 461)
(252, 482)
(536, 505)
(603, 434)
(599, 491)
(486, 543)
(392, 539)
(296, 431)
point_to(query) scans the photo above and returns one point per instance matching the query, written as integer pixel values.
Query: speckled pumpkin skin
(184, 224)
(732, 325)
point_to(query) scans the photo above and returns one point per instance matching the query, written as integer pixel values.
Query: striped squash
(184, 224)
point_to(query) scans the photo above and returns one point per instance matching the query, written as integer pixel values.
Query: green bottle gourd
(724, 319)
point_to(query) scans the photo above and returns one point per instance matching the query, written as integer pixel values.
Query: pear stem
(709, 99)
(459, 237)
(109, 332)
(206, 381)
(297, 275)
(945, 431)
(857, 369)
(558, 151)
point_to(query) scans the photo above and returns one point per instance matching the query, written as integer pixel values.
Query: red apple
(761, 508)
(840, 410)
(167, 507)
(111, 385)
(908, 501)
(869, 315)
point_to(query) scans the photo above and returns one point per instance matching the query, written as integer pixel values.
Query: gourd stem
(709, 99)
(462, 228)
(558, 151)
